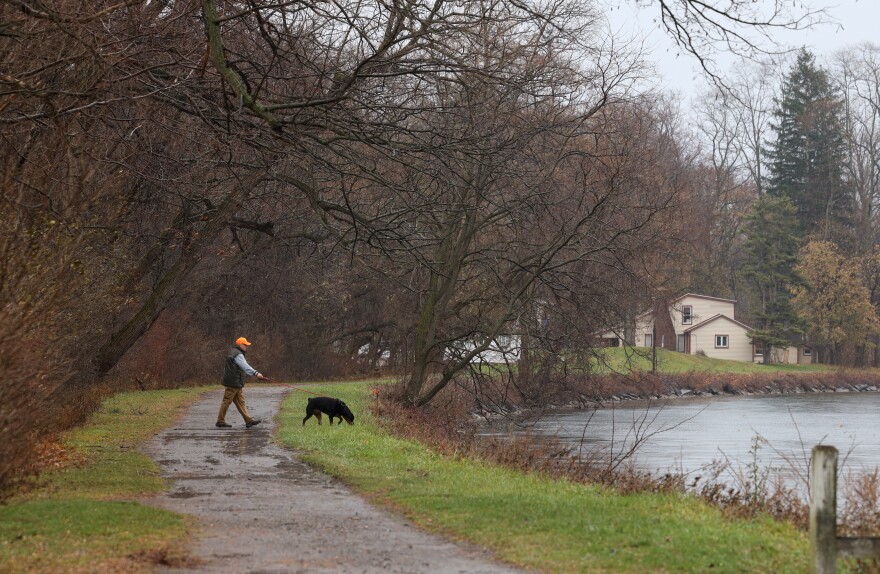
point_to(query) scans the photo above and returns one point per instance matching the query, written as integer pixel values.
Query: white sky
(855, 21)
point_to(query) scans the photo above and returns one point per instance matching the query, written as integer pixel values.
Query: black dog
(330, 407)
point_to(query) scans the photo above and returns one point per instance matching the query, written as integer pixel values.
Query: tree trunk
(126, 336)
(440, 289)
(424, 342)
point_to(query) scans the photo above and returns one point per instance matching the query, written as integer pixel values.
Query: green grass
(81, 535)
(109, 442)
(624, 360)
(72, 519)
(533, 521)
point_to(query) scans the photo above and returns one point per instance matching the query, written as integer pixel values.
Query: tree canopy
(807, 157)
(772, 254)
(356, 186)
(834, 301)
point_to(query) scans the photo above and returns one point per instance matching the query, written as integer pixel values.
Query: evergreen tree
(807, 158)
(771, 248)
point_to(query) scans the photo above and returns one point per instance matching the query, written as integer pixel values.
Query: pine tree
(807, 158)
(771, 248)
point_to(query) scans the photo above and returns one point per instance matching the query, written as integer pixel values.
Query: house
(699, 323)
(501, 349)
(789, 356)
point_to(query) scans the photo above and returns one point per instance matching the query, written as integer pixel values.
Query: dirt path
(261, 509)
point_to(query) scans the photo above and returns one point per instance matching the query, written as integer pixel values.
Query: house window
(721, 341)
(808, 351)
(686, 315)
(649, 340)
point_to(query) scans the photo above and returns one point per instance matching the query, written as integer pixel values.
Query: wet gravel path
(262, 510)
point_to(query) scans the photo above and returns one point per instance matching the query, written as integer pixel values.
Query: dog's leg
(318, 416)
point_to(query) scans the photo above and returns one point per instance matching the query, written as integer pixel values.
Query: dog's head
(345, 412)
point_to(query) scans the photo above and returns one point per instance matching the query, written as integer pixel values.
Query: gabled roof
(677, 299)
(650, 312)
(715, 318)
(702, 297)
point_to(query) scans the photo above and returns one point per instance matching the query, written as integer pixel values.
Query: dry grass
(861, 515)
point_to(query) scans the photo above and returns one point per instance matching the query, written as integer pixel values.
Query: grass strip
(531, 520)
(72, 520)
(80, 535)
(625, 360)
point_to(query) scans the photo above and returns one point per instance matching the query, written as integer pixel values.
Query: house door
(680, 344)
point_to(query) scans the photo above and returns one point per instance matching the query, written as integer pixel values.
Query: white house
(718, 336)
(700, 323)
(502, 349)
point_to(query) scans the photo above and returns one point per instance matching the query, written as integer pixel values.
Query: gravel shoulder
(259, 508)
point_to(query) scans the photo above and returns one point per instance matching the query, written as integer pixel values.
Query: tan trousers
(233, 396)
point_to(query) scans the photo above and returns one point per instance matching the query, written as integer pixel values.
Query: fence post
(823, 509)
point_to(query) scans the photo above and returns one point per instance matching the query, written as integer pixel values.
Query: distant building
(701, 324)
(501, 349)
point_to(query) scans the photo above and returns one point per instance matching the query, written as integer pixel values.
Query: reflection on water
(687, 435)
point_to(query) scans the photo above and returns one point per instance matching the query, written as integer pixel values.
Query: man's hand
(261, 377)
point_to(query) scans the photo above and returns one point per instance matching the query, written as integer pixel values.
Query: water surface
(688, 435)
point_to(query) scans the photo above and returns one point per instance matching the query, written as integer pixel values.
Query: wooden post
(823, 509)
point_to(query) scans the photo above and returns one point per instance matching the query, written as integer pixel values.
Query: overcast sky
(855, 21)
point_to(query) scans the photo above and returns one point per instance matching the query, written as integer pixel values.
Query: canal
(742, 434)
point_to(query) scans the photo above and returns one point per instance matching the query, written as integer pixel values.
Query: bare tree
(750, 101)
(725, 192)
(495, 184)
(742, 27)
(188, 112)
(857, 73)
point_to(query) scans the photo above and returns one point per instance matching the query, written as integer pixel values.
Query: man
(233, 379)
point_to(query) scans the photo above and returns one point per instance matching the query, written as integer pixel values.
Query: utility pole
(654, 348)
